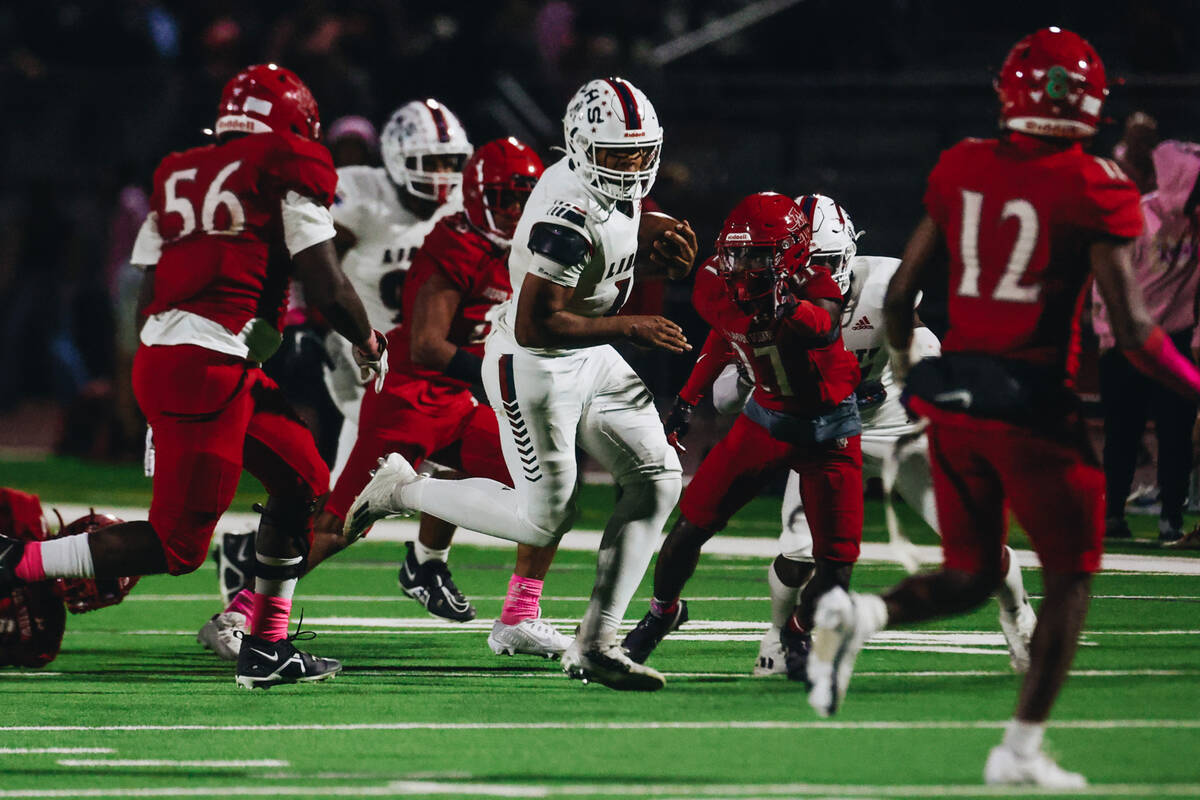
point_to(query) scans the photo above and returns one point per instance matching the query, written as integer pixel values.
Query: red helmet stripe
(633, 120)
(439, 119)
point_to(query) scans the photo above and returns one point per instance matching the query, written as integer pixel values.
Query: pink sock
(522, 600)
(30, 568)
(269, 618)
(661, 609)
(242, 603)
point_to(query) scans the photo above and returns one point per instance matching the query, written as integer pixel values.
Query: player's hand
(901, 362)
(658, 333)
(372, 361)
(676, 251)
(678, 421)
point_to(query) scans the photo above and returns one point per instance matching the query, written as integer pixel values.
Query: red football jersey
(1018, 215)
(219, 215)
(792, 372)
(474, 264)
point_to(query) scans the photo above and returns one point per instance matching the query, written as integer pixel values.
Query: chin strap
(1158, 357)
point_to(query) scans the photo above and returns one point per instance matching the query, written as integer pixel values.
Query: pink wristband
(1160, 359)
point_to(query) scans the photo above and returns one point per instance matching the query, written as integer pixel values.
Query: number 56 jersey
(1018, 215)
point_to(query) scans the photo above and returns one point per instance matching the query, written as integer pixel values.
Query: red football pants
(457, 432)
(1054, 488)
(211, 415)
(830, 484)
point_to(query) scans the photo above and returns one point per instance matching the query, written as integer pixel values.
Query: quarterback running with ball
(555, 380)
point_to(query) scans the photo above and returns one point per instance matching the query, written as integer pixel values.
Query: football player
(555, 380)
(427, 409)
(863, 280)
(212, 299)
(1024, 219)
(779, 317)
(381, 215)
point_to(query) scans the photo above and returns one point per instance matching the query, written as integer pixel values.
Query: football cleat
(1168, 533)
(223, 634)
(1018, 626)
(262, 664)
(1117, 528)
(1190, 541)
(608, 664)
(640, 642)
(11, 551)
(430, 585)
(841, 629)
(533, 637)
(1006, 768)
(235, 564)
(375, 501)
(796, 647)
(770, 654)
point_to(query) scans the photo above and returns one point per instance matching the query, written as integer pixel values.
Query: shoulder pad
(559, 243)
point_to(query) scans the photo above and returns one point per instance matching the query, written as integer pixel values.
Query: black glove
(677, 422)
(869, 394)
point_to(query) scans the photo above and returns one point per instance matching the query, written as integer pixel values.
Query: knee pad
(793, 571)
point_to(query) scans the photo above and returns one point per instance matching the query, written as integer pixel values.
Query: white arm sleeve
(147, 247)
(924, 344)
(305, 223)
(729, 392)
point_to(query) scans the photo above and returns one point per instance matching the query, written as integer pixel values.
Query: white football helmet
(834, 240)
(415, 132)
(612, 114)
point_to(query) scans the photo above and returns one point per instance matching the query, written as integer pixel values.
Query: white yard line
(764, 547)
(216, 763)
(1083, 724)
(23, 751)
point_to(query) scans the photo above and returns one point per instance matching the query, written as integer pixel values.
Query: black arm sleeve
(560, 244)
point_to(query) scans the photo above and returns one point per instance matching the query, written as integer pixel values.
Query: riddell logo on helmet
(634, 134)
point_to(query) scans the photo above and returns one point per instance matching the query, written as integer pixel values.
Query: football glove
(869, 394)
(677, 423)
(373, 366)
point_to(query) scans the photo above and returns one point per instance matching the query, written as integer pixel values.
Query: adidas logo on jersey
(863, 324)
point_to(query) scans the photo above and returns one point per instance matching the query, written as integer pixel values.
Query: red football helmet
(267, 97)
(1052, 84)
(497, 181)
(764, 239)
(89, 594)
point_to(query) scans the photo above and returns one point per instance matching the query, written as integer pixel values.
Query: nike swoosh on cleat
(268, 656)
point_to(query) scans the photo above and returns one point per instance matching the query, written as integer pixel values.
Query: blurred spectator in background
(1165, 266)
(353, 141)
(1132, 153)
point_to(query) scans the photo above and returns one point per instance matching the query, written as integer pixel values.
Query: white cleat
(223, 634)
(1018, 633)
(608, 664)
(840, 629)
(532, 637)
(375, 501)
(1006, 768)
(770, 655)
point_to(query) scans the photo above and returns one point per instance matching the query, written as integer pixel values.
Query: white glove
(901, 362)
(373, 366)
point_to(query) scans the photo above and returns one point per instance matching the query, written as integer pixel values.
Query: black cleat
(235, 564)
(262, 664)
(430, 585)
(640, 642)
(1116, 528)
(11, 551)
(796, 646)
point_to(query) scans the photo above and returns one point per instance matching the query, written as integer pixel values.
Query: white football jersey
(862, 319)
(388, 235)
(602, 284)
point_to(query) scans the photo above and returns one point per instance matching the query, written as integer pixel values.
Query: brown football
(653, 225)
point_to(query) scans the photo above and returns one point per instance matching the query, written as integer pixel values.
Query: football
(653, 225)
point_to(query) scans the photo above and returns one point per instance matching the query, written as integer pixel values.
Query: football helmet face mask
(424, 148)
(613, 138)
(497, 181)
(765, 240)
(1052, 84)
(267, 97)
(834, 239)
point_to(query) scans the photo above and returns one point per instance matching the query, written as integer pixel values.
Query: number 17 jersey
(1018, 215)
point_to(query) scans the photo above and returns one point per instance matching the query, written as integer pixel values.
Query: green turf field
(134, 708)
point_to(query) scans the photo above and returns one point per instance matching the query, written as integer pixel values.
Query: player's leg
(620, 428)
(970, 501)
(539, 402)
(345, 389)
(786, 576)
(1174, 416)
(1057, 495)
(281, 453)
(1123, 396)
